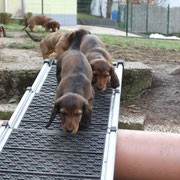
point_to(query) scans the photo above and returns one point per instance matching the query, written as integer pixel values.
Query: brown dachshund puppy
(101, 62)
(42, 20)
(74, 93)
(58, 42)
(52, 25)
(2, 31)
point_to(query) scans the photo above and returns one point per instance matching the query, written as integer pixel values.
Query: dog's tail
(3, 30)
(33, 38)
(75, 38)
(25, 23)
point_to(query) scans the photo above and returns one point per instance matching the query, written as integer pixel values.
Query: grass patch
(111, 42)
(129, 42)
(36, 35)
(9, 36)
(17, 27)
(87, 16)
(28, 45)
(13, 27)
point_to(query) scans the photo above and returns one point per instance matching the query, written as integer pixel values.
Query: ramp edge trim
(107, 172)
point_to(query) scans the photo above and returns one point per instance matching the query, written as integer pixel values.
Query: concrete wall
(175, 20)
(157, 21)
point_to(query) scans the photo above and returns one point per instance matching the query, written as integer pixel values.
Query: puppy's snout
(69, 130)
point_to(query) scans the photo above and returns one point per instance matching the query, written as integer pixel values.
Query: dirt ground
(160, 104)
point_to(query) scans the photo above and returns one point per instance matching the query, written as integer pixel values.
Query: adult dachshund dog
(58, 42)
(2, 31)
(100, 61)
(74, 93)
(42, 20)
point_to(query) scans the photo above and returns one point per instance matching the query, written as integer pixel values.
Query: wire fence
(135, 16)
(148, 18)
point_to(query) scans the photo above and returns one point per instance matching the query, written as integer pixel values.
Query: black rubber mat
(34, 152)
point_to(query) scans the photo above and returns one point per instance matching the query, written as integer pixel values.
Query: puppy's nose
(69, 130)
(99, 88)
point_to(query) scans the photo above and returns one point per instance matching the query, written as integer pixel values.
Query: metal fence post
(131, 14)
(168, 18)
(127, 17)
(124, 8)
(42, 7)
(119, 14)
(147, 15)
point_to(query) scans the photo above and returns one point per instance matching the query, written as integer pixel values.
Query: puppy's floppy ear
(114, 78)
(92, 63)
(86, 116)
(58, 25)
(48, 24)
(55, 110)
(71, 37)
(4, 33)
(75, 38)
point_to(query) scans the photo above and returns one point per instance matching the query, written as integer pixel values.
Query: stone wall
(15, 82)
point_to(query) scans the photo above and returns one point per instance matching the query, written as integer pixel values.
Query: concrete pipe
(147, 156)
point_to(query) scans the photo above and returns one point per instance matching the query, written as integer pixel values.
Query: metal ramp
(30, 151)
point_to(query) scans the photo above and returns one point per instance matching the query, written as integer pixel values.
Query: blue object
(115, 15)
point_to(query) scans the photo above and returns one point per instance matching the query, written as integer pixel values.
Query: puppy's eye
(77, 114)
(63, 113)
(105, 76)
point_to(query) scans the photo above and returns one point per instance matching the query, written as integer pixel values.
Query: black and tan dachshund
(101, 62)
(74, 93)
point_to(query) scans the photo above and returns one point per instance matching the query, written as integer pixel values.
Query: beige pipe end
(144, 155)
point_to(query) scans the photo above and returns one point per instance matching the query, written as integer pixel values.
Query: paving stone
(131, 121)
(137, 77)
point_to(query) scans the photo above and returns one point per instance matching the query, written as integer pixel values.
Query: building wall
(2, 6)
(14, 7)
(65, 12)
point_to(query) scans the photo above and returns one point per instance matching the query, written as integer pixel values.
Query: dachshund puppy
(58, 42)
(2, 31)
(100, 61)
(74, 93)
(52, 25)
(42, 20)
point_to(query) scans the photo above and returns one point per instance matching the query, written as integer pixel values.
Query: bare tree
(100, 8)
(108, 9)
(160, 1)
(156, 2)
